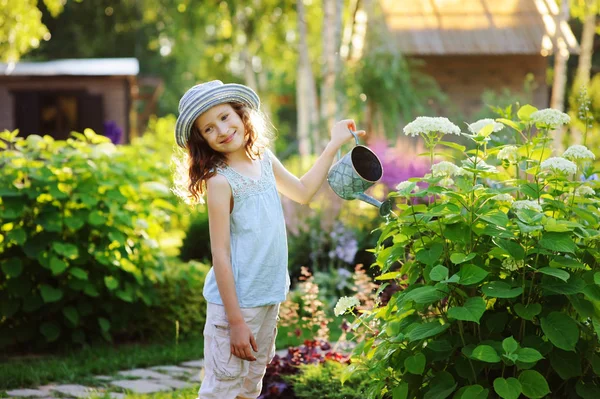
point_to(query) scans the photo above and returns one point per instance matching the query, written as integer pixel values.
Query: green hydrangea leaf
(561, 330)
(509, 388)
(527, 312)
(500, 289)
(472, 310)
(415, 364)
(533, 384)
(485, 353)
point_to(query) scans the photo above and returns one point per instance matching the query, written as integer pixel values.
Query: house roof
(492, 27)
(74, 67)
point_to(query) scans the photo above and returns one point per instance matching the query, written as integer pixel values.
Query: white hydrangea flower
(577, 151)
(479, 164)
(509, 153)
(527, 204)
(427, 124)
(512, 265)
(550, 117)
(344, 304)
(463, 172)
(559, 165)
(446, 182)
(503, 198)
(444, 168)
(475, 127)
(141, 224)
(404, 185)
(583, 191)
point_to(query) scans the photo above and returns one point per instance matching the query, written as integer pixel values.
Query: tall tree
(587, 12)
(306, 92)
(561, 56)
(21, 27)
(332, 22)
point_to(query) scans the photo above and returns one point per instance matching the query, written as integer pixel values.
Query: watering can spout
(385, 207)
(354, 173)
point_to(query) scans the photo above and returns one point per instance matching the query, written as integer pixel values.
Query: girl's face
(222, 128)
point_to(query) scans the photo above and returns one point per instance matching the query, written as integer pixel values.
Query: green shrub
(156, 145)
(324, 381)
(180, 310)
(79, 220)
(501, 263)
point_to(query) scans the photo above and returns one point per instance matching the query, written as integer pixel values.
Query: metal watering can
(354, 173)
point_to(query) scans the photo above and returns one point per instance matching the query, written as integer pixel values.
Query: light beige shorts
(225, 375)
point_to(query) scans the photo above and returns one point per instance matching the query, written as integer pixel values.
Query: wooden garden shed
(469, 46)
(57, 97)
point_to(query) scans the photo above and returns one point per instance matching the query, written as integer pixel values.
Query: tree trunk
(249, 75)
(561, 55)
(346, 47)
(338, 97)
(328, 105)
(582, 77)
(587, 49)
(306, 93)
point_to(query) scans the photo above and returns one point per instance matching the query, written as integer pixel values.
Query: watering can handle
(339, 151)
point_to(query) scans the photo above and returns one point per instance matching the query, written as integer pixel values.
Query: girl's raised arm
(218, 198)
(303, 190)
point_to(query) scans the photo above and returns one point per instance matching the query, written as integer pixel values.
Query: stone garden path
(141, 381)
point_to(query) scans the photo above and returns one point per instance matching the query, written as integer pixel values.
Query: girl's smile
(228, 138)
(222, 128)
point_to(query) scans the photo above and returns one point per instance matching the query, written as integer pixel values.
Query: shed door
(91, 113)
(27, 110)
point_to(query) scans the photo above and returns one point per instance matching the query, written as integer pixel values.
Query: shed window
(58, 114)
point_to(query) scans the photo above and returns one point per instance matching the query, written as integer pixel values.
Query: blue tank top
(259, 254)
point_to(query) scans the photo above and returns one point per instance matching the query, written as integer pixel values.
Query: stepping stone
(78, 391)
(199, 376)
(176, 384)
(141, 386)
(174, 371)
(143, 373)
(116, 395)
(194, 363)
(27, 393)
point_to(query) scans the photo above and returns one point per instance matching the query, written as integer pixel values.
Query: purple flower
(399, 163)
(113, 132)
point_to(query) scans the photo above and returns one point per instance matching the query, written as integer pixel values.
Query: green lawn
(81, 365)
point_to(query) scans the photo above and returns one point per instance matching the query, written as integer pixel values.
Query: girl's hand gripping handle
(342, 132)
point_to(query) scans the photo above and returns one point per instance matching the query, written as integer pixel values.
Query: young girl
(225, 136)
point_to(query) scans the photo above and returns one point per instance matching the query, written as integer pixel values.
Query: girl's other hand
(242, 342)
(340, 133)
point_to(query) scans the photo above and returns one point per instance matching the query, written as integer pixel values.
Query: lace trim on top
(244, 186)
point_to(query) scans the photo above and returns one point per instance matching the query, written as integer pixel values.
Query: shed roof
(492, 27)
(74, 67)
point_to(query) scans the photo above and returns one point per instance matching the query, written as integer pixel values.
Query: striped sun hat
(204, 96)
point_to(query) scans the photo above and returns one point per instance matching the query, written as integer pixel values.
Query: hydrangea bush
(499, 256)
